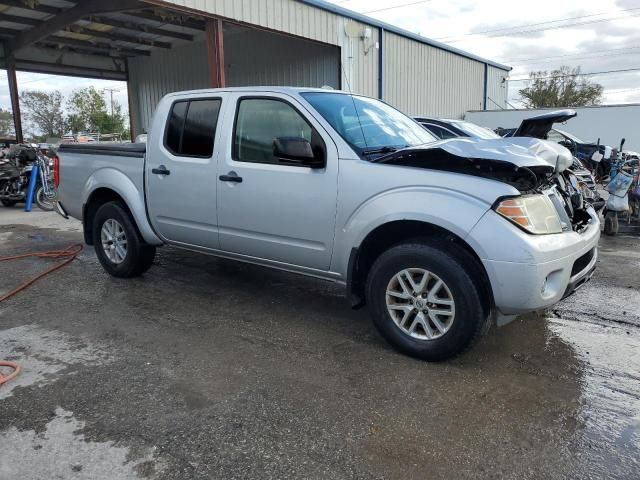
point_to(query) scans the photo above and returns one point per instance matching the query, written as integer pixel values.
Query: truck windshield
(369, 126)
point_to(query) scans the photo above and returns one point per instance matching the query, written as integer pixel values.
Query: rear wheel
(119, 246)
(424, 302)
(43, 202)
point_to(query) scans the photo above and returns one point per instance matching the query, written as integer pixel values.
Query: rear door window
(191, 127)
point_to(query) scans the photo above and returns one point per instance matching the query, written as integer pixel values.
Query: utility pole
(111, 90)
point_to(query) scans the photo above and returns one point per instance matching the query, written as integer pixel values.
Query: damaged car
(577, 181)
(438, 239)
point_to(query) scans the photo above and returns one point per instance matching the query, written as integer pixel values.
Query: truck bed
(115, 149)
(117, 167)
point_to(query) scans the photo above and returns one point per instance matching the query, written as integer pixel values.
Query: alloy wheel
(420, 304)
(114, 241)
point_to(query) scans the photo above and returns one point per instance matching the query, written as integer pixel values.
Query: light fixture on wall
(365, 34)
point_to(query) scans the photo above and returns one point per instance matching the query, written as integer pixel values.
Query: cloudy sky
(598, 35)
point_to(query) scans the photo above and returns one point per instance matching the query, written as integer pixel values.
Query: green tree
(88, 112)
(6, 123)
(43, 112)
(564, 87)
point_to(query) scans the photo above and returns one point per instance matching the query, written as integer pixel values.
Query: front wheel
(119, 246)
(43, 201)
(424, 302)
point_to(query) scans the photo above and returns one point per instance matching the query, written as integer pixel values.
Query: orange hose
(68, 254)
(12, 375)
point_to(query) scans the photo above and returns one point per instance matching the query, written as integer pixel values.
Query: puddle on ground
(610, 398)
(44, 355)
(62, 452)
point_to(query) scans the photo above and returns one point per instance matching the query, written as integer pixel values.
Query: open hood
(540, 125)
(525, 163)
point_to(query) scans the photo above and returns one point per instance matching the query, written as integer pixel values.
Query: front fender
(121, 184)
(451, 210)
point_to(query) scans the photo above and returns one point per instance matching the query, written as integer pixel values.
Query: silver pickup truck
(438, 238)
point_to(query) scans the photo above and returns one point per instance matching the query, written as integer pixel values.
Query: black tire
(139, 256)
(470, 320)
(9, 203)
(611, 225)
(42, 202)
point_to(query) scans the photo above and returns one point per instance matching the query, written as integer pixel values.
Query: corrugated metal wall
(424, 80)
(281, 15)
(419, 79)
(295, 18)
(165, 71)
(497, 89)
(278, 60)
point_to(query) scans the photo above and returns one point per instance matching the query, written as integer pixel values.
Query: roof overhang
(89, 38)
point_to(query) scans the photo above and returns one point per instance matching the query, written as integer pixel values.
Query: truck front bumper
(533, 272)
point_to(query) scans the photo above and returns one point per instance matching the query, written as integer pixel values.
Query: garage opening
(257, 57)
(249, 56)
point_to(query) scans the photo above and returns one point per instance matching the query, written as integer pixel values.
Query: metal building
(159, 46)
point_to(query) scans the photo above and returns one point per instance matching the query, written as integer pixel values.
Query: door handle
(231, 177)
(161, 170)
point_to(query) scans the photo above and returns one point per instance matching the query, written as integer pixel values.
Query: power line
(397, 6)
(605, 72)
(515, 29)
(513, 60)
(587, 57)
(623, 90)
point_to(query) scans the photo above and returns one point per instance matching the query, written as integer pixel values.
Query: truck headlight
(534, 213)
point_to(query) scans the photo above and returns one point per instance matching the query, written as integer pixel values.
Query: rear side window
(191, 127)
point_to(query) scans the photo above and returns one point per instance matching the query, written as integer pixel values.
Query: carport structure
(159, 46)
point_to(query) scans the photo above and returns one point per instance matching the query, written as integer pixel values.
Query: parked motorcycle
(15, 173)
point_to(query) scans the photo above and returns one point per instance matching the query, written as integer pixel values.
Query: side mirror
(296, 151)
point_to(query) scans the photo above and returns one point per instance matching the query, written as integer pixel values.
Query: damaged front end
(531, 166)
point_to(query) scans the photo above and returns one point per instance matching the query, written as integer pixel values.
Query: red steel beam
(215, 52)
(15, 101)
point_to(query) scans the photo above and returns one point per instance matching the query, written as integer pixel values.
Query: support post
(132, 101)
(215, 52)
(15, 101)
(381, 64)
(486, 86)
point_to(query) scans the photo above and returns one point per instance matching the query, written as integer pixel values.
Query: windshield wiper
(383, 150)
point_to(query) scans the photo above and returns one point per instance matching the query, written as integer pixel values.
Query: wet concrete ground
(205, 368)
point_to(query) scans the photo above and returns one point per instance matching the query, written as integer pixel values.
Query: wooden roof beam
(66, 18)
(139, 27)
(36, 8)
(131, 52)
(117, 36)
(188, 22)
(97, 52)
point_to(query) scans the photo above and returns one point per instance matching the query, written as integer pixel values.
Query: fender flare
(119, 183)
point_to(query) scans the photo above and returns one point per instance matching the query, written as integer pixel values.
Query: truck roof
(272, 89)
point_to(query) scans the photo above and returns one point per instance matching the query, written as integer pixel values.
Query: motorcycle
(15, 173)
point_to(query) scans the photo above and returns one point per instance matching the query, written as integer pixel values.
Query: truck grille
(558, 203)
(582, 262)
